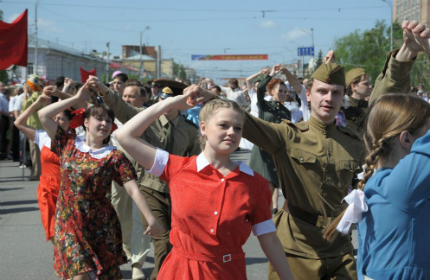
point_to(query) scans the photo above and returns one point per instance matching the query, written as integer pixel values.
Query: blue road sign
(305, 51)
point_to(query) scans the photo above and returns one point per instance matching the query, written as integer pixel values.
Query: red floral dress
(87, 228)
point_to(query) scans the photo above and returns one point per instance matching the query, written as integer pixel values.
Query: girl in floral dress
(215, 202)
(87, 230)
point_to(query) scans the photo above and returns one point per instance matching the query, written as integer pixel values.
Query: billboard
(230, 57)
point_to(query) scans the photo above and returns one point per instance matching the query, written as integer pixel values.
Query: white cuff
(354, 212)
(160, 162)
(263, 227)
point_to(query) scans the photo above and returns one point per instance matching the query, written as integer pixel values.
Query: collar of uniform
(164, 120)
(358, 102)
(202, 162)
(319, 125)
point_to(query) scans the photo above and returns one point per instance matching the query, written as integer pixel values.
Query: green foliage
(319, 61)
(420, 72)
(367, 49)
(182, 74)
(3, 76)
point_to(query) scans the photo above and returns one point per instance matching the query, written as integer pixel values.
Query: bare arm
(129, 134)
(253, 76)
(154, 228)
(294, 82)
(21, 121)
(47, 114)
(274, 251)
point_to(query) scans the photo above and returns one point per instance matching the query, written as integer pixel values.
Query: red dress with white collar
(212, 217)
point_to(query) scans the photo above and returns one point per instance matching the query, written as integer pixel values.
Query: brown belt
(312, 219)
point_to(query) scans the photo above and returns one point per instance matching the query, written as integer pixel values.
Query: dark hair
(136, 83)
(60, 81)
(123, 77)
(218, 89)
(68, 114)
(99, 110)
(234, 81)
(356, 81)
(257, 81)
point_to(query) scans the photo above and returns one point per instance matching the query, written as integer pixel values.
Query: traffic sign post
(305, 51)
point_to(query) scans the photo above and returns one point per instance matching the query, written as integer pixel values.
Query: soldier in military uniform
(358, 87)
(156, 91)
(171, 132)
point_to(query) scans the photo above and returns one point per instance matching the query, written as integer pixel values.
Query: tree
(367, 49)
(182, 73)
(319, 60)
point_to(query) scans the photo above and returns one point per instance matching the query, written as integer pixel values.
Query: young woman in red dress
(216, 202)
(87, 230)
(49, 185)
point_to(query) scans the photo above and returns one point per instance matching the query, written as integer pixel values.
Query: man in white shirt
(233, 92)
(5, 119)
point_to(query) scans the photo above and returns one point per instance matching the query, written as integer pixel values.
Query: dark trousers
(15, 142)
(160, 205)
(4, 127)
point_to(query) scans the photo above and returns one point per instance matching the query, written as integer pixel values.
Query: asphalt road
(24, 254)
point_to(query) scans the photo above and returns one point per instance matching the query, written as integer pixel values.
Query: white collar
(202, 162)
(98, 154)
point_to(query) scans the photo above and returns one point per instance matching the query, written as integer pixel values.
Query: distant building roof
(137, 57)
(45, 44)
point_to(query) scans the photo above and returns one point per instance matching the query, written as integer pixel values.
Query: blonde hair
(211, 108)
(387, 118)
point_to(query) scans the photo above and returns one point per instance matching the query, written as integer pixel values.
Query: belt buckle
(226, 258)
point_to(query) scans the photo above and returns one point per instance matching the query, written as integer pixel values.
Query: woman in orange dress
(49, 185)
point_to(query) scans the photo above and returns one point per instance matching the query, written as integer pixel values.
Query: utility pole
(107, 63)
(142, 68)
(391, 33)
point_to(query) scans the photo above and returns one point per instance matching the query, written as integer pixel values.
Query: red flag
(86, 74)
(14, 42)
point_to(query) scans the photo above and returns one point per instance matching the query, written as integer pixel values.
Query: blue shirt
(394, 235)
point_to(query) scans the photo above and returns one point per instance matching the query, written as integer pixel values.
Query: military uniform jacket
(274, 112)
(355, 113)
(185, 134)
(394, 78)
(316, 164)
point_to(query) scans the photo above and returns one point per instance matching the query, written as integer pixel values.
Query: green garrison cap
(352, 74)
(330, 73)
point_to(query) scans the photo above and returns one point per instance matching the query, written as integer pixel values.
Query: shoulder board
(190, 122)
(351, 132)
(302, 126)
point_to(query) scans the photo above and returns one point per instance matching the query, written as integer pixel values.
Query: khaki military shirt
(394, 78)
(185, 135)
(316, 164)
(355, 113)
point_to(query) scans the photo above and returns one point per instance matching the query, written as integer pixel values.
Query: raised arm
(129, 134)
(123, 111)
(21, 121)
(395, 76)
(47, 114)
(253, 76)
(293, 81)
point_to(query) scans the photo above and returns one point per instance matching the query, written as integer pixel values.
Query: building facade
(418, 10)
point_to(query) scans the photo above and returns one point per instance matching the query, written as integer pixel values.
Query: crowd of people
(124, 163)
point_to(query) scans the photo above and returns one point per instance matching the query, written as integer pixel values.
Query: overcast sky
(184, 28)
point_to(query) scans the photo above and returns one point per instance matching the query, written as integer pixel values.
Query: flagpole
(35, 49)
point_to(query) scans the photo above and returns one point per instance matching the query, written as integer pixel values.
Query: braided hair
(387, 118)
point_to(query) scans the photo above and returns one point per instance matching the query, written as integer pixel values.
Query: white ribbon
(354, 212)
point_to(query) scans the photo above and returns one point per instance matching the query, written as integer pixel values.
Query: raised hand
(43, 99)
(416, 37)
(96, 85)
(275, 69)
(330, 57)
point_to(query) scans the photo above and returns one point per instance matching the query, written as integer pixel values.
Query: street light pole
(141, 69)
(391, 33)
